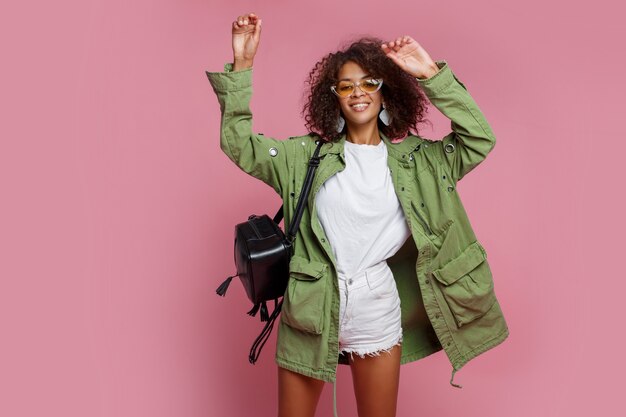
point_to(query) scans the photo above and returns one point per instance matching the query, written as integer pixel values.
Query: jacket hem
(420, 354)
(491, 343)
(327, 376)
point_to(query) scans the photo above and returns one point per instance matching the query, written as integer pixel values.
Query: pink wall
(118, 206)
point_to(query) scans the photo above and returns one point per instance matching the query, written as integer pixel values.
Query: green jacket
(442, 274)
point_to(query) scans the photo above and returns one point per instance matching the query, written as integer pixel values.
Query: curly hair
(403, 97)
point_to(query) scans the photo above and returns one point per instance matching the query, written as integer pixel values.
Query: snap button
(427, 281)
(273, 151)
(317, 142)
(350, 281)
(450, 188)
(303, 143)
(449, 147)
(436, 316)
(410, 157)
(323, 240)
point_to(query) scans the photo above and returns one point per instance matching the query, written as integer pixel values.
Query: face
(360, 115)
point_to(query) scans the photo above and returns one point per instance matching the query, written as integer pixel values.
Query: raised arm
(471, 138)
(263, 157)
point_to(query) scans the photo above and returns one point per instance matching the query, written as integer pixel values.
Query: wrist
(241, 64)
(431, 72)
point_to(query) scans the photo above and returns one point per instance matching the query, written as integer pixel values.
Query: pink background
(118, 206)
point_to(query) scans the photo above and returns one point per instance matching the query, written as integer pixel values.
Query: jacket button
(427, 281)
(350, 281)
(323, 240)
(273, 151)
(450, 188)
(449, 148)
(303, 143)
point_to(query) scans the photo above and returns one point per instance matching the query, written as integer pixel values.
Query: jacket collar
(399, 151)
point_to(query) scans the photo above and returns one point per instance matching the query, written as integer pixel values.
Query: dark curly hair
(404, 99)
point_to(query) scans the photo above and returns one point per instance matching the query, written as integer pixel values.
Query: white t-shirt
(359, 210)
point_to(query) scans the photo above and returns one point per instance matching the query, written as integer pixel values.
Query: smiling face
(362, 114)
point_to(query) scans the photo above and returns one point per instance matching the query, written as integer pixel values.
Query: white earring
(384, 116)
(340, 123)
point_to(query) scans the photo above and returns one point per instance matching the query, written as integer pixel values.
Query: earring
(384, 116)
(340, 123)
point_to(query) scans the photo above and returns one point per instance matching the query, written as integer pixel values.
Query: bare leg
(376, 380)
(298, 394)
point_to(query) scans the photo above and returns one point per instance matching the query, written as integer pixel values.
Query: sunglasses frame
(356, 85)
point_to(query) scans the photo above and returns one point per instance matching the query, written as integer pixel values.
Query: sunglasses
(345, 88)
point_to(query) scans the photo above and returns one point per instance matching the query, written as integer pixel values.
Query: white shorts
(369, 312)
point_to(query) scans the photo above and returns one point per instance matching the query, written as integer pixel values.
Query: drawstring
(335, 397)
(452, 378)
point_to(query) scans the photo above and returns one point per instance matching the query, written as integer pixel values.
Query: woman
(386, 268)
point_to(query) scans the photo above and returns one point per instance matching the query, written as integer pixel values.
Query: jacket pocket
(467, 284)
(304, 300)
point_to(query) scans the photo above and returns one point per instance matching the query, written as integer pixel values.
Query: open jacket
(443, 277)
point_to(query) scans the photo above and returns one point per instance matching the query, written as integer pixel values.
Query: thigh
(376, 380)
(298, 394)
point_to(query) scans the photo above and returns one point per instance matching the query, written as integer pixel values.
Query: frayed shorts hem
(372, 350)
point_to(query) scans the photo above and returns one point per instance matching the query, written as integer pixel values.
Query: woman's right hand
(246, 36)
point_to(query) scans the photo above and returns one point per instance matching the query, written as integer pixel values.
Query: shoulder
(305, 143)
(428, 148)
(310, 137)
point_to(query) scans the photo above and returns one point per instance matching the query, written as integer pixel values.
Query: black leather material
(262, 258)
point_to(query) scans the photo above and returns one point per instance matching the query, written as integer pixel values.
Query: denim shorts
(369, 312)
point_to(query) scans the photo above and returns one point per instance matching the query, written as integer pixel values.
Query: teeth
(360, 106)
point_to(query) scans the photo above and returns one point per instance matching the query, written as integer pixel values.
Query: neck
(364, 134)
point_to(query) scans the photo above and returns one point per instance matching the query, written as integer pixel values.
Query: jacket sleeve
(262, 157)
(471, 138)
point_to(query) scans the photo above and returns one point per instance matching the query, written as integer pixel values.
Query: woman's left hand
(411, 57)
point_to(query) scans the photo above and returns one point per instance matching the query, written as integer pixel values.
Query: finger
(257, 30)
(388, 51)
(394, 57)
